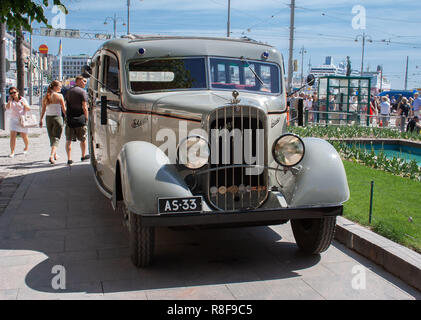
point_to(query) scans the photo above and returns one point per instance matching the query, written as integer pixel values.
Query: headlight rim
(183, 141)
(276, 142)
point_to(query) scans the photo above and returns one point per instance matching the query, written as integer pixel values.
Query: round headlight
(193, 152)
(288, 150)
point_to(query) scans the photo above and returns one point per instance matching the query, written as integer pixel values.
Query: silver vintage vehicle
(192, 131)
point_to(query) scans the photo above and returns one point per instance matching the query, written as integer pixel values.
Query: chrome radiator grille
(236, 181)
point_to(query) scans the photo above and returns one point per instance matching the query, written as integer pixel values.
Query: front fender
(146, 175)
(322, 179)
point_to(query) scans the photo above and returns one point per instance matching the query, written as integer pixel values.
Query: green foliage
(343, 132)
(355, 153)
(17, 13)
(396, 166)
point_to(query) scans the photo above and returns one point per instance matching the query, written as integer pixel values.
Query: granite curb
(400, 261)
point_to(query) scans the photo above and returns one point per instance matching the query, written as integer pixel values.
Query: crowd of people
(68, 110)
(381, 110)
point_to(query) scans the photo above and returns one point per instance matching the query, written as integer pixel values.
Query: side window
(110, 74)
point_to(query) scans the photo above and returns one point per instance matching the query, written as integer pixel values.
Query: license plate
(180, 205)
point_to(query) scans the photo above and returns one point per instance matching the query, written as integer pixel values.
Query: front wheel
(314, 235)
(142, 240)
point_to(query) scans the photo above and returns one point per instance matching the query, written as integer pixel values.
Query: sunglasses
(13, 92)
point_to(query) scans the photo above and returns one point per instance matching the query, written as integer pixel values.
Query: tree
(17, 13)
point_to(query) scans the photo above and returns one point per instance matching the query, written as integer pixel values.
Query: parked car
(189, 131)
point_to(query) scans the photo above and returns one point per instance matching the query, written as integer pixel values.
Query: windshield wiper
(254, 72)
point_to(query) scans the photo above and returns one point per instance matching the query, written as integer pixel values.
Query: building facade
(72, 66)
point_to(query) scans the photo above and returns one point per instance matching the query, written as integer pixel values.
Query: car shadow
(60, 235)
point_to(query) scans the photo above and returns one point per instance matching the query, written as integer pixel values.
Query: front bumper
(258, 216)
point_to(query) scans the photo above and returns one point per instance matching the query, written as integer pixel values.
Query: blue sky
(322, 27)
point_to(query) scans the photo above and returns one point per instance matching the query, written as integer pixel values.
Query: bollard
(371, 202)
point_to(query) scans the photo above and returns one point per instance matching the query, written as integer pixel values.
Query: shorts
(384, 117)
(79, 133)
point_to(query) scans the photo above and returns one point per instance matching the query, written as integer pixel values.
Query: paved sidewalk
(58, 219)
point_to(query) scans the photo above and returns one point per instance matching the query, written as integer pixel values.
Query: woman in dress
(53, 107)
(18, 106)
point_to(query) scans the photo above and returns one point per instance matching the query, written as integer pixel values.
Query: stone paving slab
(395, 258)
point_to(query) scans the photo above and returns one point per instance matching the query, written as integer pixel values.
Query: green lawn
(396, 201)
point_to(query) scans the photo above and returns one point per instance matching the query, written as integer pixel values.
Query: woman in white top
(52, 107)
(18, 106)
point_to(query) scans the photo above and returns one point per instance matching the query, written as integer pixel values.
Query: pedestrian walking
(384, 112)
(403, 111)
(373, 110)
(18, 107)
(53, 107)
(416, 105)
(76, 118)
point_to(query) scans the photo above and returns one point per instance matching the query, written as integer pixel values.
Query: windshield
(190, 73)
(244, 75)
(166, 74)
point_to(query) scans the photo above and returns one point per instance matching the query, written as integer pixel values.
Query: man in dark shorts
(76, 117)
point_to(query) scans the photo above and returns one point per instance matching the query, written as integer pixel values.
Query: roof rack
(141, 37)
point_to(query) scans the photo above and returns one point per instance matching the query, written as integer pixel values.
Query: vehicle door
(110, 89)
(97, 131)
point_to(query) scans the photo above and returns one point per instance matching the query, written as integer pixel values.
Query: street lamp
(363, 37)
(114, 20)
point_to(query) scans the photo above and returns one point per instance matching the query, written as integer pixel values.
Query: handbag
(28, 120)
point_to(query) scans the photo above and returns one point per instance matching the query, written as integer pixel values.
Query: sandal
(51, 161)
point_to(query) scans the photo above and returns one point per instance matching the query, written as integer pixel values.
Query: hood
(197, 104)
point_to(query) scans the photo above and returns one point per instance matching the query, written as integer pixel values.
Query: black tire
(314, 235)
(142, 241)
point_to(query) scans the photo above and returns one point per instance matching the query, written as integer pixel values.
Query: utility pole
(291, 46)
(229, 18)
(406, 73)
(302, 51)
(363, 36)
(381, 79)
(128, 16)
(2, 74)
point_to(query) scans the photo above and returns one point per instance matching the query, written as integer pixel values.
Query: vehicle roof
(177, 46)
(407, 93)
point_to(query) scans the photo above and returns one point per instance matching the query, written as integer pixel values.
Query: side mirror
(104, 115)
(86, 71)
(310, 79)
